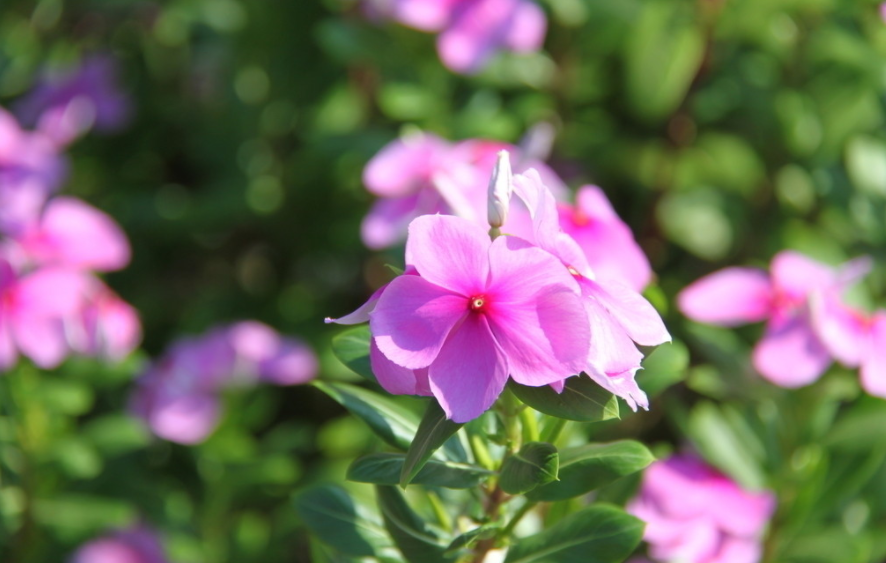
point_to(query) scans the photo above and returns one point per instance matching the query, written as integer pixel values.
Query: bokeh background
(722, 130)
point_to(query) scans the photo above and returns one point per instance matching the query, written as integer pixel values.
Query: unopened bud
(499, 191)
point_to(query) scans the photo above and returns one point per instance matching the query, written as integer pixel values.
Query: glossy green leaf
(415, 540)
(598, 534)
(535, 464)
(433, 431)
(390, 421)
(663, 367)
(385, 469)
(581, 400)
(334, 517)
(352, 348)
(589, 467)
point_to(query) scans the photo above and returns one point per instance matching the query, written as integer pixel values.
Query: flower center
(477, 303)
(574, 272)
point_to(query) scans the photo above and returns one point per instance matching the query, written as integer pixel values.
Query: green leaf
(433, 431)
(535, 464)
(589, 467)
(663, 367)
(352, 348)
(333, 516)
(581, 400)
(390, 421)
(597, 534)
(663, 54)
(385, 469)
(469, 538)
(416, 541)
(723, 445)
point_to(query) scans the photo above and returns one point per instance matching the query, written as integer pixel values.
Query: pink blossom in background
(471, 32)
(618, 315)
(68, 103)
(31, 170)
(178, 396)
(106, 326)
(33, 309)
(72, 233)
(422, 174)
(794, 350)
(695, 514)
(137, 544)
(606, 240)
(477, 312)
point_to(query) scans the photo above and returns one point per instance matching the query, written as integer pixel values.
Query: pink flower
(423, 174)
(477, 312)
(471, 31)
(33, 309)
(694, 514)
(792, 352)
(606, 240)
(30, 170)
(178, 395)
(618, 315)
(138, 544)
(105, 326)
(75, 234)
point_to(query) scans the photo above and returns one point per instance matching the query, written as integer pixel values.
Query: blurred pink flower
(105, 326)
(66, 104)
(30, 171)
(471, 31)
(606, 240)
(422, 174)
(793, 351)
(72, 233)
(178, 395)
(33, 309)
(477, 312)
(137, 544)
(618, 315)
(695, 514)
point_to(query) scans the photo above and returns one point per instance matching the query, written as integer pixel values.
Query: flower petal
(470, 371)
(873, 366)
(187, 419)
(527, 28)
(449, 252)
(729, 297)
(403, 166)
(611, 351)
(841, 329)
(395, 379)
(634, 314)
(797, 275)
(412, 320)
(790, 355)
(622, 385)
(8, 354)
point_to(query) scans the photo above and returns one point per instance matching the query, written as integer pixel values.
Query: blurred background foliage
(722, 130)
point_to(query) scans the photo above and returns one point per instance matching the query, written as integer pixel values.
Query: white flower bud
(499, 191)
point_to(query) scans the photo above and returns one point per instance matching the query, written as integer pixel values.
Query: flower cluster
(808, 323)
(137, 544)
(424, 174)
(471, 32)
(470, 312)
(51, 301)
(178, 396)
(695, 514)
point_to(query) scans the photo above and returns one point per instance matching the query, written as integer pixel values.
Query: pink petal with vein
(449, 252)
(729, 297)
(470, 372)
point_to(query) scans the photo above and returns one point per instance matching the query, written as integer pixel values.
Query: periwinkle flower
(30, 171)
(178, 396)
(618, 315)
(695, 514)
(33, 310)
(478, 312)
(66, 104)
(106, 326)
(471, 32)
(138, 544)
(605, 239)
(72, 233)
(793, 351)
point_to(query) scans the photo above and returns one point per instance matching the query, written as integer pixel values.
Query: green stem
(552, 429)
(515, 519)
(530, 425)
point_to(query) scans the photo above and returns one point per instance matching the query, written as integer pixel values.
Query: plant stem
(515, 519)
(552, 429)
